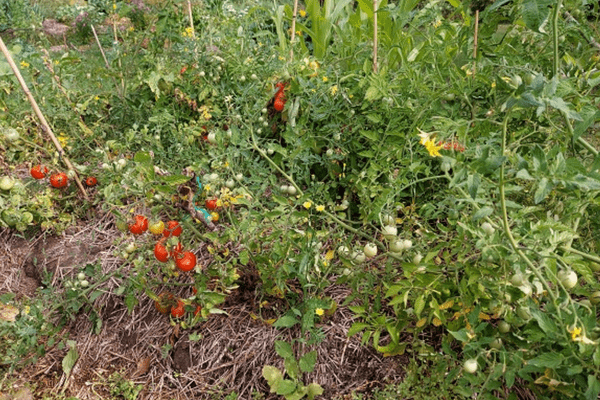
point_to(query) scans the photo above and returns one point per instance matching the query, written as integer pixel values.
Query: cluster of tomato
(279, 103)
(184, 260)
(163, 251)
(58, 179)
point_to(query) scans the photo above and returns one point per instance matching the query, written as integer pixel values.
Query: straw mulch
(224, 354)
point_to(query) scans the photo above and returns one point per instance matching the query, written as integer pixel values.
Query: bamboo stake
(189, 3)
(293, 30)
(375, 36)
(38, 112)
(475, 42)
(100, 47)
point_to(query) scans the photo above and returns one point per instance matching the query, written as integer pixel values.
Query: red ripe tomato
(176, 251)
(59, 180)
(280, 86)
(211, 204)
(139, 226)
(179, 311)
(39, 171)
(197, 310)
(279, 104)
(91, 181)
(172, 229)
(160, 251)
(185, 261)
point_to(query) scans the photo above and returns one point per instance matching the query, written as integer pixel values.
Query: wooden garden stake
(100, 47)
(475, 42)
(38, 112)
(374, 35)
(293, 30)
(189, 3)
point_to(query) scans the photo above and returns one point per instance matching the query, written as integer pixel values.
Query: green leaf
(285, 322)
(286, 387)
(308, 361)
(593, 388)
(357, 327)
(142, 157)
(543, 190)
(482, 213)
(273, 376)
(175, 180)
(71, 358)
(473, 182)
(419, 305)
(314, 389)
(244, 257)
(130, 301)
(369, 134)
(545, 322)
(292, 368)
(535, 13)
(460, 335)
(284, 349)
(547, 360)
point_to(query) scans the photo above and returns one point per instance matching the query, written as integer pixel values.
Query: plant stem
(555, 37)
(587, 256)
(507, 230)
(375, 36)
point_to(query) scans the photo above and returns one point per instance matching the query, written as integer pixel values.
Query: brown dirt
(224, 354)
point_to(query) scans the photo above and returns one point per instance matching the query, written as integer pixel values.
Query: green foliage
(292, 388)
(514, 190)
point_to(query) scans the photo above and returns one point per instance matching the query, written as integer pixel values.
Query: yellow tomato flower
(320, 208)
(24, 64)
(575, 333)
(334, 89)
(307, 204)
(325, 79)
(319, 311)
(302, 13)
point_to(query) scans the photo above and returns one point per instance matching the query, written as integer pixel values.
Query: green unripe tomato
(84, 283)
(7, 182)
(389, 232)
(343, 251)
(291, 190)
(517, 279)
(370, 250)
(358, 257)
(81, 276)
(487, 228)
(496, 344)
(567, 278)
(524, 313)
(503, 327)
(595, 298)
(388, 220)
(471, 366)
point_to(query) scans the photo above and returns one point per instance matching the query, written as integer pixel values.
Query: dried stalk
(38, 112)
(293, 30)
(374, 35)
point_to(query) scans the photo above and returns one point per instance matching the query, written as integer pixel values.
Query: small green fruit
(471, 366)
(503, 327)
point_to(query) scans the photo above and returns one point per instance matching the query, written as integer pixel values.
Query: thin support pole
(38, 112)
